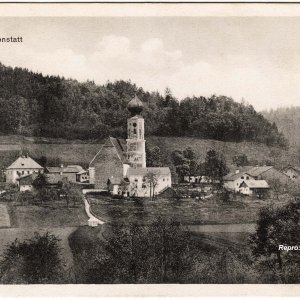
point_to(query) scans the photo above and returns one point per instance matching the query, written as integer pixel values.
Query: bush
(36, 260)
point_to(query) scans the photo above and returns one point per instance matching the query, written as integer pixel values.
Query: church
(120, 165)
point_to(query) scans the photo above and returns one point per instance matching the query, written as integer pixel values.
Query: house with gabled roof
(120, 161)
(23, 165)
(291, 172)
(232, 181)
(254, 187)
(71, 172)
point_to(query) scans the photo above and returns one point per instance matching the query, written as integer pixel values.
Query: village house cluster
(119, 167)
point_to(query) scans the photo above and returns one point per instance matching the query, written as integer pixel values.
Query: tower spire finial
(135, 105)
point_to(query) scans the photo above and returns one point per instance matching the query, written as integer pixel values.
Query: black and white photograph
(149, 148)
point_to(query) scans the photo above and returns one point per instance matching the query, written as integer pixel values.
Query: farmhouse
(269, 173)
(233, 181)
(254, 187)
(24, 165)
(121, 164)
(73, 173)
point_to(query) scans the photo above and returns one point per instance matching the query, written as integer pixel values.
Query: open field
(71, 152)
(31, 216)
(187, 211)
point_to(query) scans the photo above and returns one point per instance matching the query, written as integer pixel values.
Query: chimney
(237, 171)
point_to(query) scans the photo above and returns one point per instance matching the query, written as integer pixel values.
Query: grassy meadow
(186, 211)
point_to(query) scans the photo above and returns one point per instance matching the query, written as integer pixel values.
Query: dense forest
(50, 106)
(288, 122)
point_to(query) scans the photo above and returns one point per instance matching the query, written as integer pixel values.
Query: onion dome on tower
(135, 106)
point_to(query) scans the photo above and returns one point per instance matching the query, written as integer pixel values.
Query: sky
(256, 59)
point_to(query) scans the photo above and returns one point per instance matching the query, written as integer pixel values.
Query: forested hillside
(288, 121)
(36, 105)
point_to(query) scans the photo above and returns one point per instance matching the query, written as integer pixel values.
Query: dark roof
(234, 175)
(67, 169)
(252, 171)
(256, 171)
(291, 167)
(119, 145)
(135, 106)
(27, 179)
(55, 178)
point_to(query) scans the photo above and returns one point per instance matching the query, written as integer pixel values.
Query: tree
(294, 188)
(151, 180)
(153, 156)
(276, 186)
(36, 260)
(71, 193)
(154, 253)
(40, 184)
(42, 161)
(215, 167)
(185, 163)
(241, 160)
(277, 227)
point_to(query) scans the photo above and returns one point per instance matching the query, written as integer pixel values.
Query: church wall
(139, 188)
(108, 164)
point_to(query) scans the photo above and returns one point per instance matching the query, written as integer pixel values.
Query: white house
(146, 181)
(253, 187)
(232, 181)
(24, 165)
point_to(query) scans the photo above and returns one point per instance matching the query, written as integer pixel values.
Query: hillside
(288, 122)
(258, 154)
(71, 152)
(55, 107)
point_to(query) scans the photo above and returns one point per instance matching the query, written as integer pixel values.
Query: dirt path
(4, 216)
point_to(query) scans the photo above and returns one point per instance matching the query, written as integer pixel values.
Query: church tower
(136, 153)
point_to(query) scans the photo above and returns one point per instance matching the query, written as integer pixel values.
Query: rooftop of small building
(249, 170)
(256, 184)
(24, 162)
(66, 169)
